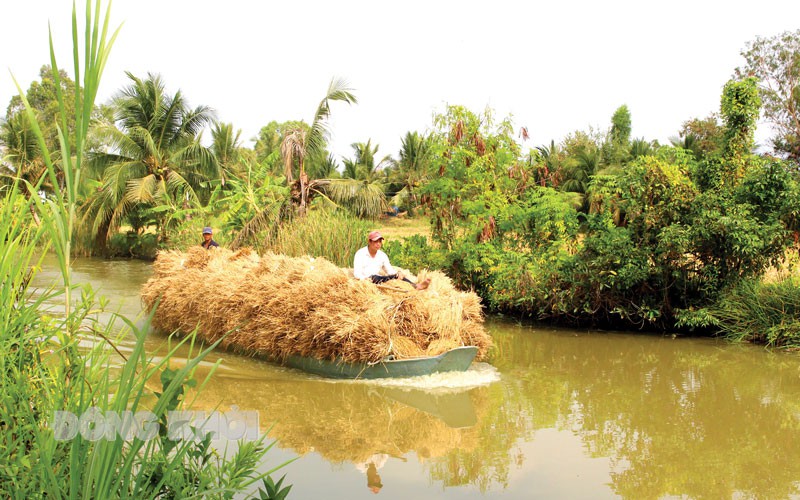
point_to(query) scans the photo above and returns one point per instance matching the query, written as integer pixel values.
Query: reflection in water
(374, 463)
(373, 479)
(351, 422)
(454, 409)
(573, 414)
(695, 418)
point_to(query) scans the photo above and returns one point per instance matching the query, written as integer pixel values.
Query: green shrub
(131, 244)
(415, 253)
(658, 239)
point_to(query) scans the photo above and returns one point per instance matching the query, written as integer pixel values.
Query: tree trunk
(303, 192)
(101, 238)
(35, 216)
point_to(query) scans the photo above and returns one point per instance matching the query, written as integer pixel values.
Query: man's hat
(207, 230)
(374, 236)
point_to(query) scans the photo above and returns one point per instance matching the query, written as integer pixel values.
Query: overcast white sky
(556, 67)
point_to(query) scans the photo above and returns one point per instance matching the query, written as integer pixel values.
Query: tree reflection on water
(688, 417)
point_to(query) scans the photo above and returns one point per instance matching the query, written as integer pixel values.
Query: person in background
(370, 260)
(208, 241)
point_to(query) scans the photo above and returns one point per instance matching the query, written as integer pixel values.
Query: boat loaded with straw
(310, 314)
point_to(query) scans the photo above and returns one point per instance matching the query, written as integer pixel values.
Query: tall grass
(23, 377)
(334, 235)
(764, 312)
(44, 368)
(59, 212)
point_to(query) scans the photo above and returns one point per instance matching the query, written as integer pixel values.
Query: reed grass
(45, 366)
(764, 312)
(334, 235)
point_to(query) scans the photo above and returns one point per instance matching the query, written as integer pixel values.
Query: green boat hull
(457, 359)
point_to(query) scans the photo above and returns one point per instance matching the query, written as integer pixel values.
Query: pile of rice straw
(275, 306)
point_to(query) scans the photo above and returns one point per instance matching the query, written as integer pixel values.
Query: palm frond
(116, 177)
(293, 147)
(338, 90)
(264, 220)
(400, 198)
(364, 199)
(176, 183)
(145, 144)
(225, 143)
(197, 119)
(141, 189)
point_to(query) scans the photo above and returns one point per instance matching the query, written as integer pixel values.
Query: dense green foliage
(655, 242)
(153, 162)
(42, 96)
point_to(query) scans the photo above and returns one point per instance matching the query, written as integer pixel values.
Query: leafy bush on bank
(133, 245)
(654, 241)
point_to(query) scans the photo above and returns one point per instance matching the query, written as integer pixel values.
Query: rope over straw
(275, 306)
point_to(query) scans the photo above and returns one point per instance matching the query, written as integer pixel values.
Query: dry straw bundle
(275, 306)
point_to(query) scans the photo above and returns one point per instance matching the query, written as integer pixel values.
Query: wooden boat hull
(457, 359)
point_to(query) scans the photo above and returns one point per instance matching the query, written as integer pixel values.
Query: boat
(309, 314)
(457, 359)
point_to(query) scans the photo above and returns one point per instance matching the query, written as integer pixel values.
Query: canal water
(555, 413)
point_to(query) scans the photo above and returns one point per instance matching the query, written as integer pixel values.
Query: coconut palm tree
(581, 168)
(153, 158)
(267, 147)
(412, 169)
(689, 142)
(362, 187)
(641, 147)
(42, 97)
(363, 166)
(22, 156)
(553, 162)
(228, 151)
(299, 143)
(327, 169)
(584, 165)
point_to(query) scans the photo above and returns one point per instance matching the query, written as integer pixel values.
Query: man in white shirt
(371, 260)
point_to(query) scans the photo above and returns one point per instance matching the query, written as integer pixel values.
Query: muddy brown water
(556, 413)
